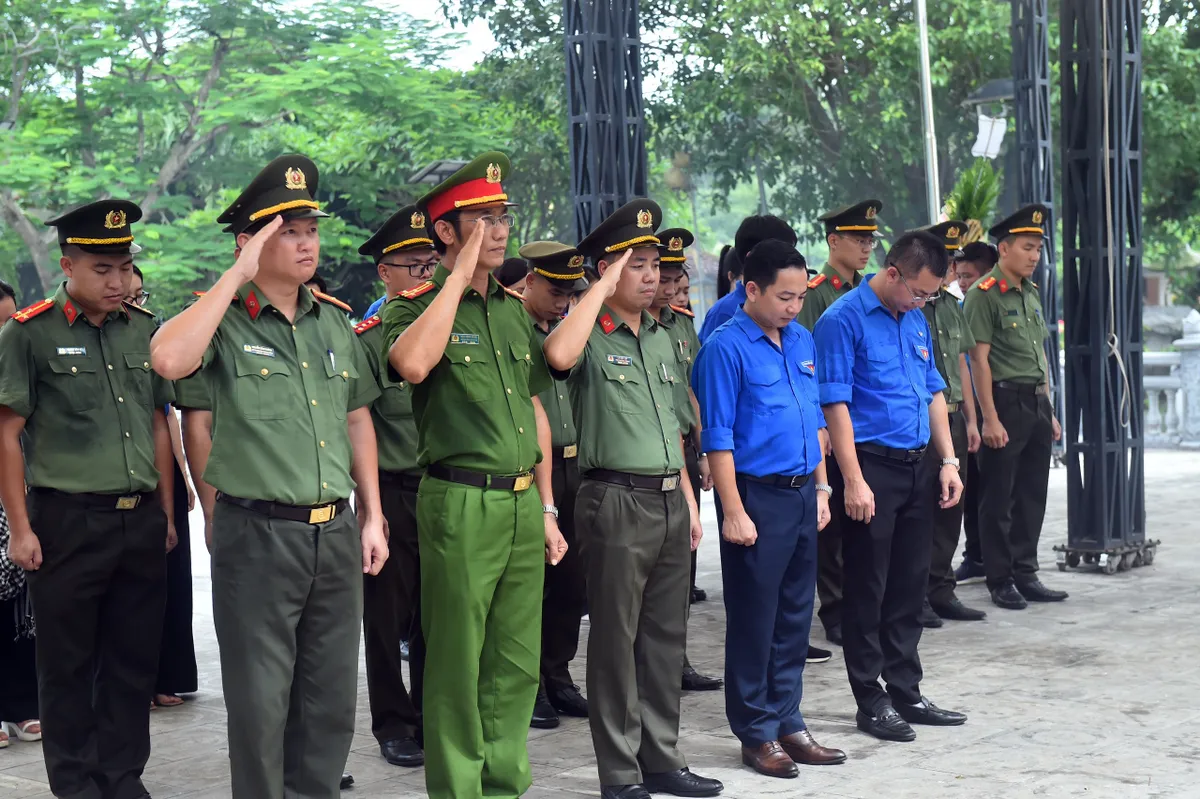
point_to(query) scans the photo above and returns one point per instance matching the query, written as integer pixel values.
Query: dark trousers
(635, 543)
(768, 611)
(887, 568)
(177, 654)
(691, 457)
(391, 614)
(972, 487)
(98, 600)
(1012, 504)
(947, 522)
(564, 598)
(829, 556)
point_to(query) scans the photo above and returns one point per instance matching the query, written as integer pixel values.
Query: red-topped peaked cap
(478, 183)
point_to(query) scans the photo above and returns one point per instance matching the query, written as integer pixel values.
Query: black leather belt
(405, 481)
(906, 455)
(778, 480)
(664, 483)
(98, 501)
(1021, 388)
(309, 514)
(562, 453)
(518, 482)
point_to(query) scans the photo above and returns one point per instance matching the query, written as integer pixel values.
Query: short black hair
(918, 250)
(7, 291)
(320, 281)
(760, 228)
(137, 271)
(982, 253)
(512, 272)
(765, 261)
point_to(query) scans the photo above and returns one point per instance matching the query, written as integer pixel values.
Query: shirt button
(508, 390)
(521, 430)
(324, 485)
(620, 377)
(109, 368)
(127, 435)
(74, 370)
(564, 427)
(264, 372)
(120, 399)
(304, 364)
(314, 402)
(345, 374)
(322, 444)
(497, 353)
(560, 396)
(467, 358)
(145, 365)
(293, 327)
(131, 471)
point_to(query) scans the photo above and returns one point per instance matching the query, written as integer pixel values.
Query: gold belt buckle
(523, 482)
(322, 514)
(952, 407)
(128, 503)
(571, 451)
(670, 483)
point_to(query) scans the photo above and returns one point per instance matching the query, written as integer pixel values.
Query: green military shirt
(1009, 318)
(951, 338)
(557, 402)
(280, 395)
(392, 412)
(623, 391)
(475, 409)
(685, 343)
(191, 393)
(824, 290)
(87, 394)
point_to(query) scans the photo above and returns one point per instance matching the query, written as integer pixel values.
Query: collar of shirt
(997, 273)
(754, 332)
(648, 321)
(71, 309)
(870, 300)
(666, 317)
(441, 273)
(831, 273)
(253, 300)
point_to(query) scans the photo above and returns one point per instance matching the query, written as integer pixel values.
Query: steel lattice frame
(604, 100)
(1105, 458)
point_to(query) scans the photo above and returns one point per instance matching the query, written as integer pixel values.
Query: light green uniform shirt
(557, 402)
(1009, 318)
(392, 411)
(685, 343)
(824, 290)
(951, 338)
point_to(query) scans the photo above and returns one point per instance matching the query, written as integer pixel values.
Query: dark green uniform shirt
(951, 338)
(87, 394)
(623, 391)
(557, 402)
(392, 412)
(191, 393)
(280, 394)
(1009, 318)
(824, 290)
(685, 343)
(475, 409)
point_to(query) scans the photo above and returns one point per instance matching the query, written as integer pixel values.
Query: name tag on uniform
(258, 349)
(1014, 312)
(72, 350)
(810, 366)
(620, 360)
(464, 338)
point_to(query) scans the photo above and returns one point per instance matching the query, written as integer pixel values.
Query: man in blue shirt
(752, 230)
(883, 401)
(408, 262)
(761, 416)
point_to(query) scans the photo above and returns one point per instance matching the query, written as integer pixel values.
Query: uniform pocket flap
(260, 367)
(346, 370)
(61, 366)
(764, 375)
(621, 374)
(138, 360)
(883, 353)
(466, 355)
(520, 351)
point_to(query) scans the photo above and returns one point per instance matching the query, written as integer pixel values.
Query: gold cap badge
(675, 245)
(493, 173)
(645, 218)
(417, 221)
(870, 212)
(294, 179)
(575, 262)
(114, 220)
(1037, 217)
(952, 232)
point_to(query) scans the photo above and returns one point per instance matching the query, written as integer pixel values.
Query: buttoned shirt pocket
(522, 364)
(883, 363)
(76, 383)
(769, 393)
(138, 377)
(471, 370)
(264, 390)
(621, 384)
(395, 399)
(683, 360)
(339, 377)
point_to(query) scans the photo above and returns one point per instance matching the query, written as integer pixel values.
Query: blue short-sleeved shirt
(759, 400)
(722, 311)
(880, 366)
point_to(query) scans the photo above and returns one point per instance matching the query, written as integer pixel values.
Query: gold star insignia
(675, 245)
(417, 221)
(493, 173)
(575, 262)
(1037, 217)
(294, 179)
(645, 218)
(114, 220)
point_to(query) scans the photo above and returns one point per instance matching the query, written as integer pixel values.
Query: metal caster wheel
(1110, 564)
(1073, 560)
(1062, 567)
(1127, 561)
(1148, 556)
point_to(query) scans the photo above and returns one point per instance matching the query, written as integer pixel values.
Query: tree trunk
(38, 245)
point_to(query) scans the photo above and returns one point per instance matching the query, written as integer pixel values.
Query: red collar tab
(1003, 286)
(252, 305)
(836, 281)
(70, 311)
(607, 324)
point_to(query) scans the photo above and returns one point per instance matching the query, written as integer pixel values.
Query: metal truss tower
(607, 129)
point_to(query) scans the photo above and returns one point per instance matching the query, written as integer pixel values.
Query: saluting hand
(860, 501)
(556, 545)
(951, 486)
(25, 551)
(468, 258)
(246, 265)
(738, 528)
(612, 275)
(994, 434)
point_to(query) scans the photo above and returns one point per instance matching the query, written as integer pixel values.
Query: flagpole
(932, 191)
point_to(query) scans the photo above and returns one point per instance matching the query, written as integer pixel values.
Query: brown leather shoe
(801, 748)
(770, 759)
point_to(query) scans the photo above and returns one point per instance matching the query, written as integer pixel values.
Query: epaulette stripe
(683, 311)
(367, 324)
(417, 291)
(987, 284)
(25, 314)
(512, 293)
(816, 281)
(320, 295)
(135, 307)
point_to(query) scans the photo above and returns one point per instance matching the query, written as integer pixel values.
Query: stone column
(1189, 378)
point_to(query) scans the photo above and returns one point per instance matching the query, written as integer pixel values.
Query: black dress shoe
(1034, 591)
(694, 681)
(954, 610)
(568, 701)
(698, 595)
(929, 713)
(402, 752)
(886, 725)
(969, 571)
(682, 783)
(545, 717)
(928, 618)
(623, 792)
(347, 781)
(833, 634)
(1006, 597)
(817, 655)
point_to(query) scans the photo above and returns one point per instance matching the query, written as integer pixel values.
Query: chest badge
(258, 349)
(810, 366)
(619, 360)
(924, 353)
(464, 338)
(72, 351)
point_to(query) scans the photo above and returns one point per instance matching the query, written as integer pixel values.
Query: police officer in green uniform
(680, 325)
(404, 258)
(952, 341)
(635, 518)
(1008, 365)
(852, 233)
(468, 348)
(292, 437)
(75, 378)
(555, 276)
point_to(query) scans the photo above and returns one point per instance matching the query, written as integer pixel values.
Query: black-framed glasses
(917, 298)
(140, 299)
(421, 269)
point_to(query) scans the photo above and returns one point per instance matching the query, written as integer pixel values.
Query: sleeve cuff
(716, 439)
(833, 393)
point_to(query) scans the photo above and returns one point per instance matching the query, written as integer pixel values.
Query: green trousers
(287, 599)
(482, 555)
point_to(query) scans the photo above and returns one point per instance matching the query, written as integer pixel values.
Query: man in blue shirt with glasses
(760, 407)
(883, 402)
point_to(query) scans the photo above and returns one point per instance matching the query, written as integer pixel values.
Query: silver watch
(950, 462)
(826, 487)
(553, 509)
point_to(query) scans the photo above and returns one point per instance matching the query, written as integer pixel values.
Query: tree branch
(38, 245)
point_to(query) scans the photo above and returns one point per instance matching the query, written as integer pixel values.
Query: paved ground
(1093, 698)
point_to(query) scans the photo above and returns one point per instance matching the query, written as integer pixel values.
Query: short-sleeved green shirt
(280, 395)
(475, 409)
(1009, 318)
(824, 290)
(623, 391)
(392, 411)
(951, 338)
(87, 394)
(685, 343)
(192, 394)
(557, 402)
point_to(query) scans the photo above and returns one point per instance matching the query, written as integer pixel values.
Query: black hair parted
(981, 252)
(760, 228)
(768, 258)
(918, 250)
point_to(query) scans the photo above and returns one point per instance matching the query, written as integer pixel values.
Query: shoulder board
(1035, 285)
(512, 293)
(367, 324)
(987, 283)
(683, 311)
(816, 281)
(25, 314)
(333, 301)
(134, 307)
(416, 291)
(199, 293)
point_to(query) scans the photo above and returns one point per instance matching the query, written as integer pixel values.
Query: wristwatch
(828, 489)
(550, 509)
(950, 462)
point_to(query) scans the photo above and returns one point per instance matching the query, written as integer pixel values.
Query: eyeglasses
(508, 220)
(416, 270)
(864, 242)
(139, 299)
(920, 299)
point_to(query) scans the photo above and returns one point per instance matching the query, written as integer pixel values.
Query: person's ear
(445, 231)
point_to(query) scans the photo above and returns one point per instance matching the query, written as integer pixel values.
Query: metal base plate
(1108, 561)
